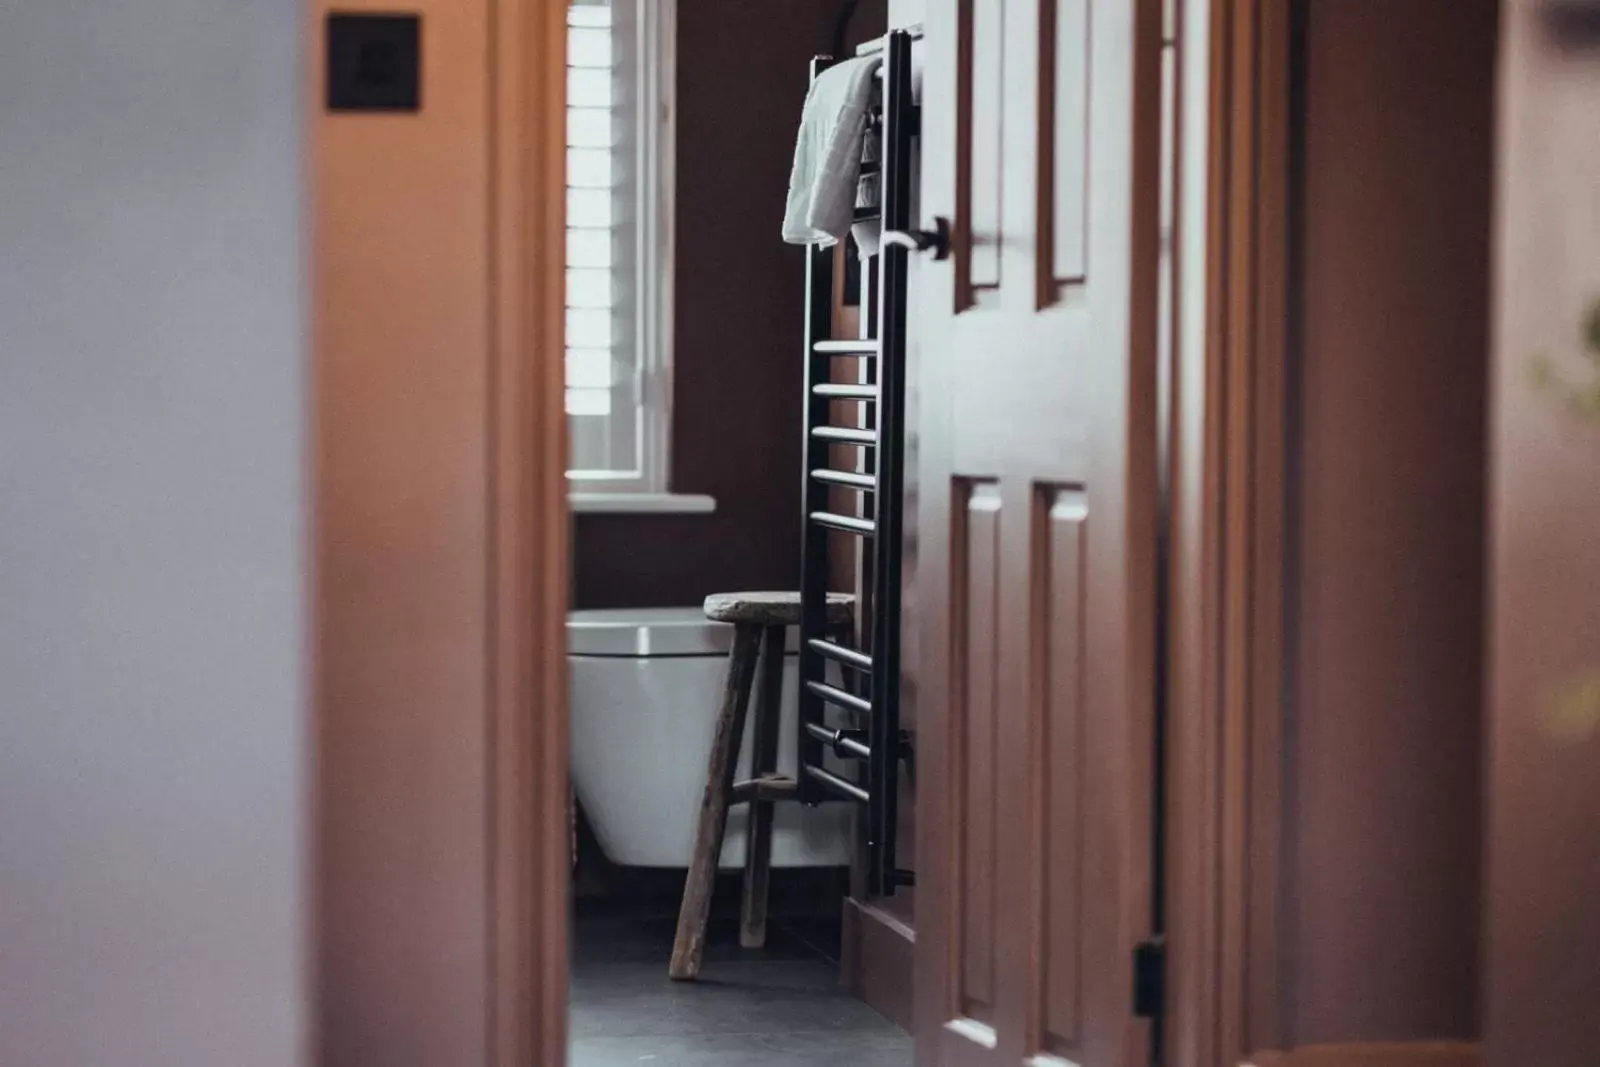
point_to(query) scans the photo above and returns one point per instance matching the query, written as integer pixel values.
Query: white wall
(907, 12)
(152, 608)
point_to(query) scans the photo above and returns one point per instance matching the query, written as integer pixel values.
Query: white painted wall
(153, 744)
(907, 12)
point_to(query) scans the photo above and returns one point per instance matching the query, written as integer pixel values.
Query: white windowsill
(641, 503)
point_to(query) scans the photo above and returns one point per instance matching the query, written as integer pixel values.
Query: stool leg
(688, 948)
(763, 760)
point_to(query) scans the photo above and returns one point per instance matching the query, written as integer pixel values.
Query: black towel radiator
(862, 683)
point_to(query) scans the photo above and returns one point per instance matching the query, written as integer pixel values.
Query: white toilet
(646, 683)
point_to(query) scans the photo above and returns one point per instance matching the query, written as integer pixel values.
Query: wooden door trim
(1402, 1054)
(1227, 591)
(529, 550)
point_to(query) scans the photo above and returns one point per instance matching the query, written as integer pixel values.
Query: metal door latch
(1150, 978)
(936, 240)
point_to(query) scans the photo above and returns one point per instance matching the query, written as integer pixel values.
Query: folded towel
(827, 155)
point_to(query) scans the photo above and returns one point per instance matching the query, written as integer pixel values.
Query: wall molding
(1409, 1054)
(878, 961)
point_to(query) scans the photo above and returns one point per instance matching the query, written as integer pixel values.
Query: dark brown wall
(1386, 579)
(737, 319)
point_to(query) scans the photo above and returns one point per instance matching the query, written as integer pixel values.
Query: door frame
(1226, 558)
(1225, 594)
(528, 794)
(1231, 436)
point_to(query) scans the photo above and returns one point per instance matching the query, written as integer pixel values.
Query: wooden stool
(760, 622)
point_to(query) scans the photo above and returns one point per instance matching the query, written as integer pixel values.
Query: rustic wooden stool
(761, 622)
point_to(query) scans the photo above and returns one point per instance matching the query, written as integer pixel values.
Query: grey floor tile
(823, 936)
(766, 1001)
(800, 1049)
(623, 940)
(603, 979)
(780, 1007)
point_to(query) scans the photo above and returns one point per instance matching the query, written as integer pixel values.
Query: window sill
(640, 504)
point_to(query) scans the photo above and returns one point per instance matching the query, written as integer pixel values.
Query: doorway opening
(1037, 642)
(686, 321)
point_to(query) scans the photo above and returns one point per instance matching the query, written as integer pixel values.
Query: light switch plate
(374, 62)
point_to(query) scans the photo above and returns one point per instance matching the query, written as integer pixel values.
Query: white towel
(827, 154)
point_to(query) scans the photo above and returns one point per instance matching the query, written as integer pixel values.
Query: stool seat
(771, 609)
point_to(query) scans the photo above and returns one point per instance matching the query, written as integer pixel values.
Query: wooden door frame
(529, 540)
(1231, 436)
(1226, 594)
(1226, 610)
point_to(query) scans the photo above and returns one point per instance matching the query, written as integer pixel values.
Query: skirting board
(1408, 1054)
(876, 961)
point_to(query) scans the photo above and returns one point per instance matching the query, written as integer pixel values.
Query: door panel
(977, 630)
(1064, 157)
(982, 86)
(1036, 409)
(1060, 558)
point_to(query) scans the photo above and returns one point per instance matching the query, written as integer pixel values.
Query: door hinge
(1150, 978)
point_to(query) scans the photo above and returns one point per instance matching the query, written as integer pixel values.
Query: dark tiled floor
(779, 1007)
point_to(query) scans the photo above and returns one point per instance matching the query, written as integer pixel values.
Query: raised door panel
(978, 787)
(981, 87)
(1064, 145)
(1058, 742)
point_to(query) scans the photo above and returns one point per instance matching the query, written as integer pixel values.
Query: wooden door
(1036, 392)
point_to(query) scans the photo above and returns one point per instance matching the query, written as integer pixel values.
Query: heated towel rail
(850, 695)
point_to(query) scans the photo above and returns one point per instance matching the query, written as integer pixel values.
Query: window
(619, 179)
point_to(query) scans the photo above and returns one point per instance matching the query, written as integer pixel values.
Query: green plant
(1580, 397)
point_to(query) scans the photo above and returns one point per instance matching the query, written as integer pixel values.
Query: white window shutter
(618, 67)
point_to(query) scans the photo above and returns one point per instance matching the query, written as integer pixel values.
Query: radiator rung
(842, 391)
(840, 698)
(850, 657)
(842, 743)
(845, 523)
(856, 347)
(845, 435)
(837, 784)
(849, 479)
